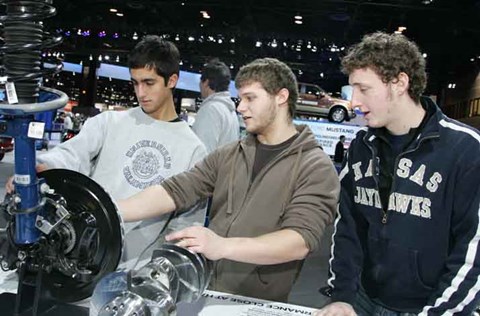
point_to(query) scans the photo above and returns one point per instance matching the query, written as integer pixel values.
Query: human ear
(402, 83)
(172, 81)
(282, 96)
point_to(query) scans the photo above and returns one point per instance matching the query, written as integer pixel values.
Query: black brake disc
(91, 208)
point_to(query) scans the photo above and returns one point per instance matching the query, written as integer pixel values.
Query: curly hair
(273, 75)
(389, 55)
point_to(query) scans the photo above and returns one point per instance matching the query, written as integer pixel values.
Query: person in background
(67, 121)
(128, 151)
(407, 234)
(216, 122)
(339, 150)
(263, 223)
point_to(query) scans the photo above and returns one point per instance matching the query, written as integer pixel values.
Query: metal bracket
(45, 226)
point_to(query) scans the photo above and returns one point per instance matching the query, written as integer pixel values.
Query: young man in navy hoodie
(407, 233)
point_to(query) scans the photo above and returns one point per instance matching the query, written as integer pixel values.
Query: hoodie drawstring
(231, 177)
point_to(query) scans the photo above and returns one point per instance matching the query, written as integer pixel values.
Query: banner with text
(328, 134)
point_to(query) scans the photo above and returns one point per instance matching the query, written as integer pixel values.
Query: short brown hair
(273, 75)
(389, 55)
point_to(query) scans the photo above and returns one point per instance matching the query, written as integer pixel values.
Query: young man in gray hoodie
(273, 192)
(127, 151)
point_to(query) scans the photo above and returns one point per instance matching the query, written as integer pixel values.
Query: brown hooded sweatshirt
(297, 190)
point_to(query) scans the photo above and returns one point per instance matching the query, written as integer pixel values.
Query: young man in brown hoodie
(272, 193)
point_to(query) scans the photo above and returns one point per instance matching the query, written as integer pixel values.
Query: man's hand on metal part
(10, 187)
(200, 239)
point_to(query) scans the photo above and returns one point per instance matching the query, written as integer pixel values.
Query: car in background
(6, 145)
(314, 101)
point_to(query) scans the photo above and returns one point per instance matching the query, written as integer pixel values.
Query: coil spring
(24, 39)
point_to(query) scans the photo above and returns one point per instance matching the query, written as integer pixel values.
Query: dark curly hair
(389, 55)
(273, 75)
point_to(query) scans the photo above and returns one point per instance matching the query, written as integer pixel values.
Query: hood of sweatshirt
(221, 97)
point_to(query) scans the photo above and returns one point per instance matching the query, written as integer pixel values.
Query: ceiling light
(298, 17)
(232, 40)
(400, 29)
(119, 14)
(298, 22)
(424, 55)
(258, 44)
(113, 10)
(274, 43)
(191, 38)
(135, 36)
(205, 14)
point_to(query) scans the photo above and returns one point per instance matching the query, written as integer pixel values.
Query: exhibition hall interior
(80, 55)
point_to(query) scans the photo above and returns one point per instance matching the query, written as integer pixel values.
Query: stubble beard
(267, 122)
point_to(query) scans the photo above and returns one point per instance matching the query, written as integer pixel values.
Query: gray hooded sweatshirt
(216, 123)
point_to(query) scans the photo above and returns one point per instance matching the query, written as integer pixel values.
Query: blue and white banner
(328, 134)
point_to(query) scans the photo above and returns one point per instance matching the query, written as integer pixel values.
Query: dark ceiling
(447, 31)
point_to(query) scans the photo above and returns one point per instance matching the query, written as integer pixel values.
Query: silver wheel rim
(338, 115)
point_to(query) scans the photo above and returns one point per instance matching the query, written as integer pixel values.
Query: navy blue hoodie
(420, 255)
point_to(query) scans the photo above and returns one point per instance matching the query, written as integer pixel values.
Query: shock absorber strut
(21, 73)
